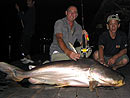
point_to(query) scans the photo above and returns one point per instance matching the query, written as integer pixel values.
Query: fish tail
(12, 72)
(14, 78)
(17, 75)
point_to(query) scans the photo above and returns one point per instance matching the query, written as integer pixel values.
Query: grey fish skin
(84, 72)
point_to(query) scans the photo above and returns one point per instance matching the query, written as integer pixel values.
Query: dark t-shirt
(113, 46)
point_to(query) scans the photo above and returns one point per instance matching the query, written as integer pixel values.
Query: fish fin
(11, 71)
(92, 85)
(15, 75)
(72, 47)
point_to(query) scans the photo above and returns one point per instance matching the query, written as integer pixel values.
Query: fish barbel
(84, 72)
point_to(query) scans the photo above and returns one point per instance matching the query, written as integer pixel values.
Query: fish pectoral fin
(92, 85)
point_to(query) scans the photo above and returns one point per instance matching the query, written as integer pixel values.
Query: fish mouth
(115, 83)
(119, 83)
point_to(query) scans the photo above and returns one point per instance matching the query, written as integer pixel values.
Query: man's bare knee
(125, 61)
(96, 55)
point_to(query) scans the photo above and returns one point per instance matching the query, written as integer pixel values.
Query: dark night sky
(51, 10)
(47, 12)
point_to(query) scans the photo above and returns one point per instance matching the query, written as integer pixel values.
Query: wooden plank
(15, 90)
(86, 93)
(104, 92)
(123, 92)
(23, 93)
(7, 93)
(2, 88)
(47, 92)
(11, 88)
(67, 92)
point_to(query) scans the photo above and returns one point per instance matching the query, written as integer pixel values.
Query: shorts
(118, 60)
(62, 56)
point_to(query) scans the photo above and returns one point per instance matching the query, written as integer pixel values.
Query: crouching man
(112, 45)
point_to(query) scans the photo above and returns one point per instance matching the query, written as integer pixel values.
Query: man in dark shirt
(112, 45)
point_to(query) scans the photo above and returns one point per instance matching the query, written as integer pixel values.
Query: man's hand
(86, 34)
(102, 61)
(73, 55)
(111, 61)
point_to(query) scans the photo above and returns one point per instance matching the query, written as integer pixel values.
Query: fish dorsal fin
(72, 47)
(92, 85)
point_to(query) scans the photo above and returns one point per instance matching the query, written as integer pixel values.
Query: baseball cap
(115, 17)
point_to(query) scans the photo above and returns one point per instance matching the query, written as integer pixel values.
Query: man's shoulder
(59, 20)
(77, 24)
(62, 20)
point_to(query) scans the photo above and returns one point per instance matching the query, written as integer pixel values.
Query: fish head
(106, 76)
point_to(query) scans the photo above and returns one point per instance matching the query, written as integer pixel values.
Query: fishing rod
(84, 50)
(82, 15)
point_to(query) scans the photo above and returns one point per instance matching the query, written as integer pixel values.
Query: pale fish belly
(63, 76)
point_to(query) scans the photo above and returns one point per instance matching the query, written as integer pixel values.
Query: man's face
(113, 25)
(71, 13)
(29, 3)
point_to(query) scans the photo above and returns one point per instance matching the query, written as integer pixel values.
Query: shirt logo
(117, 46)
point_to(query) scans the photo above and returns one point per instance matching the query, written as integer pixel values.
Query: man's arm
(101, 54)
(62, 45)
(115, 57)
(121, 53)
